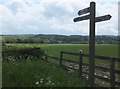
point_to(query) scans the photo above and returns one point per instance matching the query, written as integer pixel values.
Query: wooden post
(80, 63)
(92, 44)
(93, 19)
(112, 72)
(61, 58)
(46, 55)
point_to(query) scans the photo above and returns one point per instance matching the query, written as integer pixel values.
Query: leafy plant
(22, 53)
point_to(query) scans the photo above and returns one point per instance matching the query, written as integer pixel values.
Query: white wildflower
(49, 81)
(53, 84)
(37, 83)
(41, 80)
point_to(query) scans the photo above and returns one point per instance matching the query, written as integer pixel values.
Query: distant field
(110, 50)
(54, 49)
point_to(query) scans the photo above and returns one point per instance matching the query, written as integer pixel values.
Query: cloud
(53, 17)
(111, 26)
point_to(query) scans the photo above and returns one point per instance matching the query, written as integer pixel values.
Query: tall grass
(38, 74)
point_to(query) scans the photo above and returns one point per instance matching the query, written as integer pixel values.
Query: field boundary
(111, 69)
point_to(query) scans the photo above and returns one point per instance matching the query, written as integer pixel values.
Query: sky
(55, 17)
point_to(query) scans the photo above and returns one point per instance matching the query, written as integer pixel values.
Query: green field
(31, 73)
(110, 50)
(54, 49)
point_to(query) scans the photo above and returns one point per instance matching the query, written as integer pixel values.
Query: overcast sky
(54, 17)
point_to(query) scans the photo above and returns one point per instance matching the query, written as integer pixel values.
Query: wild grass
(38, 73)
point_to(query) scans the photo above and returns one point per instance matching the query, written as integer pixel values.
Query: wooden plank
(112, 72)
(81, 18)
(67, 60)
(103, 18)
(84, 11)
(107, 58)
(96, 56)
(116, 59)
(54, 57)
(103, 57)
(71, 53)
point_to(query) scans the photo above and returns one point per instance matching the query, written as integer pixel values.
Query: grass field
(54, 49)
(39, 73)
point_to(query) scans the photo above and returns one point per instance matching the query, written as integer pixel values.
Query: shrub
(23, 53)
(31, 52)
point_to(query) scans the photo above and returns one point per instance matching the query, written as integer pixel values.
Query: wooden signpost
(84, 11)
(102, 18)
(82, 18)
(93, 20)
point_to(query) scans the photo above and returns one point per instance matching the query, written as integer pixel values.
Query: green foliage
(22, 53)
(41, 74)
(58, 39)
(54, 49)
(38, 74)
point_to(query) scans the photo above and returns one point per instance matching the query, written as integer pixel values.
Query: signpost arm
(92, 44)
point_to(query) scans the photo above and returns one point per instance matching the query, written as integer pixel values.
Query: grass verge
(38, 74)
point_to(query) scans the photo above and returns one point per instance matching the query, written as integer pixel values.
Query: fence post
(46, 55)
(61, 58)
(112, 72)
(80, 63)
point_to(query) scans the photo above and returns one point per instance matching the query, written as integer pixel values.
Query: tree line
(58, 39)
